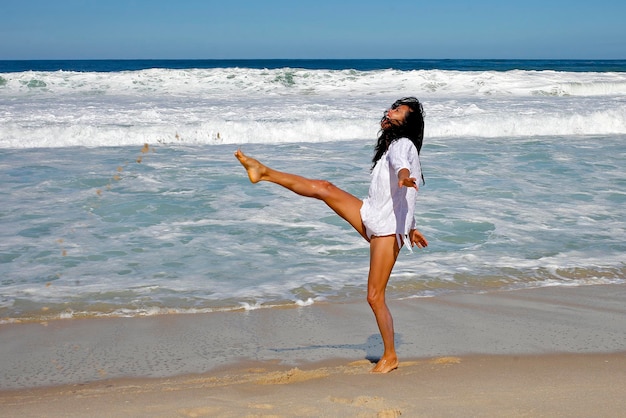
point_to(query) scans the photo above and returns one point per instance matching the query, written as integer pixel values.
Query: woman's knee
(375, 299)
(323, 189)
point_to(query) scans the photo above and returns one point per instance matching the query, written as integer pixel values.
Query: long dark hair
(412, 128)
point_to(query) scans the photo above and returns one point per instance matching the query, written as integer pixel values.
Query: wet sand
(538, 352)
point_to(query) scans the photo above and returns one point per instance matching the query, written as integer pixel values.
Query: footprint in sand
(359, 363)
(292, 376)
(446, 360)
(199, 412)
(261, 406)
(370, 402)
(409, 363)
(389, 413)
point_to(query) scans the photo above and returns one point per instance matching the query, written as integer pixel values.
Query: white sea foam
(237, 105)
(222, 82)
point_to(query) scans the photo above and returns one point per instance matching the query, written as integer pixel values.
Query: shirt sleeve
(401, 152)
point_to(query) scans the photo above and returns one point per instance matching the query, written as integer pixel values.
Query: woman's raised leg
(383, 250)
(343, 203)
(383, 254)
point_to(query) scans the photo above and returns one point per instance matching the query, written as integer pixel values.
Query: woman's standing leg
(343, 203)
(383, 254)
(383, 250)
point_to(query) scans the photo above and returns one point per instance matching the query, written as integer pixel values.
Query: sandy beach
(555, 351)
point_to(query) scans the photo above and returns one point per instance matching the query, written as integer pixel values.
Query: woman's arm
(405, 180)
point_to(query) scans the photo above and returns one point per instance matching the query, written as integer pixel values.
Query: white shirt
(388, 209)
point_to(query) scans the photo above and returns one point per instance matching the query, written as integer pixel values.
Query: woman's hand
(405, 181)
(408, 182)
(417, 238)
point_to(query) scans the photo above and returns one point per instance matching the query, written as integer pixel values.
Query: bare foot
(254, 168)
(385, 365)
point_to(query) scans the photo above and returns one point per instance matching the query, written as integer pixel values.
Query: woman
(385, 217)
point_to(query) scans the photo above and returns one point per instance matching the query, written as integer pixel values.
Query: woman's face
(395, 116)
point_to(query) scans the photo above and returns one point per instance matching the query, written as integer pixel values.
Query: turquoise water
(185, 231)
(524, 170)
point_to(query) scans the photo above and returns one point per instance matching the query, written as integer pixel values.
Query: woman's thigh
(383, 254)
(345, 205)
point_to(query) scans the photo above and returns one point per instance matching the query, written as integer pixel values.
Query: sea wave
(289, 81)
(244, 105)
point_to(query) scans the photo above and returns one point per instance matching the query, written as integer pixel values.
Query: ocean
(121, 196)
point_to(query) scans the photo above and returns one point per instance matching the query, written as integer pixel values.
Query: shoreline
(561, 341)
(586, 319)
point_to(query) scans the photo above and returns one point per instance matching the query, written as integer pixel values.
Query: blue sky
(196, 29)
